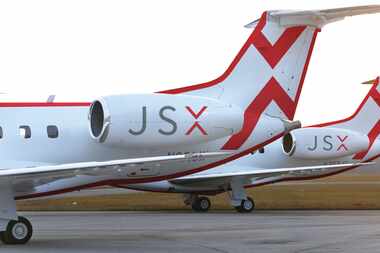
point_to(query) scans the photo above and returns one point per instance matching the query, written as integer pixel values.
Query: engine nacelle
(159, 120)
(314, 143)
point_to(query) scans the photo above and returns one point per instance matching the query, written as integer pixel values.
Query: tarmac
(260, 231)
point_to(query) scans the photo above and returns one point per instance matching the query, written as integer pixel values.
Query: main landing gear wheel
(246, 206)
(18, 232)
(201, 204)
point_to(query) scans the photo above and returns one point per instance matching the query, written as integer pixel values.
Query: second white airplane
(303, 154)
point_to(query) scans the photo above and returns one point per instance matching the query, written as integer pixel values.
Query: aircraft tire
(201, 204)
(18, 231)
(246, 206)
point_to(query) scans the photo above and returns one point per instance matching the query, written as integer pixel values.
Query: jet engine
(158, 120)
(323, 143)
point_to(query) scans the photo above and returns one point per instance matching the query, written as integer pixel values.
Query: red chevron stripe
(362, 104)
(230, 68)
(271, 92)
(278, 94)
(375, 95)
(273, 54)
(375, 131)
(372, 135)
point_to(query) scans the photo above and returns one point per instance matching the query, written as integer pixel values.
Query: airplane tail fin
(267, 74)
(366, 118)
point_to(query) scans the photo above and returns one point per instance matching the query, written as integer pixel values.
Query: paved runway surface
(262, 231)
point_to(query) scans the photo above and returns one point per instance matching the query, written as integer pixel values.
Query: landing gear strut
(17, 231)
(13, 229)
(238, 196)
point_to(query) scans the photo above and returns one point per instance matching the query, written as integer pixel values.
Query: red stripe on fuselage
(43, 104)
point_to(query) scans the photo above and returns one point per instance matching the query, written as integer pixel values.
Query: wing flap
(102, 168)
(263, 173)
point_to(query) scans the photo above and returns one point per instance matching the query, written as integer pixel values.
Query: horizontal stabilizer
(316, 18)
(373, 82)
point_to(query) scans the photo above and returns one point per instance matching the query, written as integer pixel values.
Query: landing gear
(14, 229)
(238, 196)
(198, 204)
(246, 206)
(201, 204)
(17, 231)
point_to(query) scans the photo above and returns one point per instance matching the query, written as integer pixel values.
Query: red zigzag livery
(272, 92)
(271, 54)
(375, 131)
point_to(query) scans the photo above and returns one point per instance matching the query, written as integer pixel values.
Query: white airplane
(304, 153)
(51, 148)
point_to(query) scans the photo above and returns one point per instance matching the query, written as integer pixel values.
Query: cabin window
(25, 132)
(261, 150)
(52, 131)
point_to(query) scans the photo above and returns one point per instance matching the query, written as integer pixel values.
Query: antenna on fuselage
(51, 99)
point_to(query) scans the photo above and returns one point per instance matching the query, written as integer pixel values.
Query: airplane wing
(264, 173)
(115, 167)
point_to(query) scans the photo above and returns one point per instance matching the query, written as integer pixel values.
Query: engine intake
(99, 120)
(288, 144)
(96, 118)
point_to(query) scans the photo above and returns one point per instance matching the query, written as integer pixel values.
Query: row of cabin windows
(26, 133)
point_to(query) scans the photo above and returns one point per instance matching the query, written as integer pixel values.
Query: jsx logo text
(173, 124)
(327, 145)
